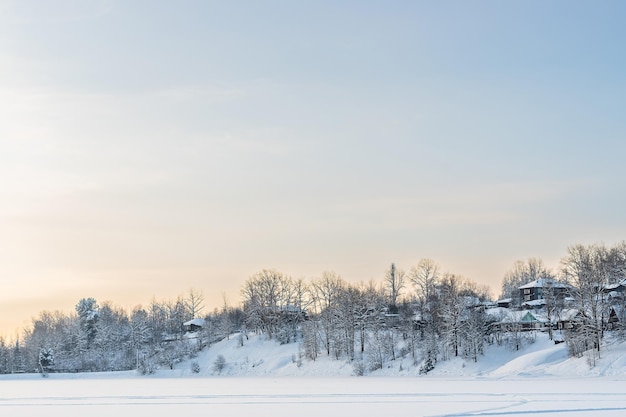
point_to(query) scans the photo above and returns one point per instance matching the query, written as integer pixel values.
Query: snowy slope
(261, 357)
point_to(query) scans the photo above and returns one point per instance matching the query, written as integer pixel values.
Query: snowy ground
(312, 397)
(265, 379)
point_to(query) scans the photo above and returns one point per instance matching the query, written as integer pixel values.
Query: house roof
(534, 303)
(504, 315)
(196, 322)
(542, 282)
(569, 314)
(529, 317)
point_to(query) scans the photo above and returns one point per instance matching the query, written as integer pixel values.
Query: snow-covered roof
(569, 314)
(534, 303)
(504, 315)
(196, 322)
(530, 317)
(542, 282)
(470, 301)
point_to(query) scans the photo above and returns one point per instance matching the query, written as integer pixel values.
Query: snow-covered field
(264, 379)
(310, 396)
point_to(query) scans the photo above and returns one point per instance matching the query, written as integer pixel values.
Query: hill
(261, 357)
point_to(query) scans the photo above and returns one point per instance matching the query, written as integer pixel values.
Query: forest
(421, 313)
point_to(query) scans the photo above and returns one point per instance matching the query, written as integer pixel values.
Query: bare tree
(325, 293)
(394, 283)
(194, 302)
(473, 332)
(268, 302)
(452, 307)
(585, 268)
(424, 277)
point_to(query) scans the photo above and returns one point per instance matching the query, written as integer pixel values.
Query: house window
(526, 291)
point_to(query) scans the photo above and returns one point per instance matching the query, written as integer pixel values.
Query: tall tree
(194, 301)
(451, 310)
(394, 283)
(268, 296)
(585, 268)
(325, 293)
(88, 312)
(425, 277)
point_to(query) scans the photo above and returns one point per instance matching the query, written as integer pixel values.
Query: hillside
(261, 357)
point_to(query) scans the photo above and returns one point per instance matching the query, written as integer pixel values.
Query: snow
(534, 303)
(196, 322)
(543, 282)
(264, 378)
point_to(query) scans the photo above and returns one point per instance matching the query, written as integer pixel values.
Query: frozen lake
(337, 396)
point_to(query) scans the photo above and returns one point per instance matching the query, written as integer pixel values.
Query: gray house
(533, 293)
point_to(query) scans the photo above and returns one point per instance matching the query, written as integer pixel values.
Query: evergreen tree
(88, 313)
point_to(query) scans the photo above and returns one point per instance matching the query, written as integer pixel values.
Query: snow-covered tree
(326, 296)
(588, 269)
(4, 357)
(473, 332)
(451, 314)
(88, 312)
(269, 304)
(46, 360)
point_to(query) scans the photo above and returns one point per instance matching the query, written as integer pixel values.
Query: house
(569, 318)
(617, 316)
(506, 320)
(530, 321)
(539, 288)
(505, 302)
(534, 304)
(616, 291)
(194, 325)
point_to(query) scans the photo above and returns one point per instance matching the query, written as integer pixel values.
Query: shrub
(219, 364)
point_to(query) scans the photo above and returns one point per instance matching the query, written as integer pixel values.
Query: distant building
(505, 302)
(537, 289)
(503, 319)
(194, 325)
(616, 290)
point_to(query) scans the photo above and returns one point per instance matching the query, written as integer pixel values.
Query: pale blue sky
(147, 147)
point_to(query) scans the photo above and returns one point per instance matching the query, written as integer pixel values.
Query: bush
(195, 367)
(359, 368)
(219, 364)
(146, 366)
(427, 366)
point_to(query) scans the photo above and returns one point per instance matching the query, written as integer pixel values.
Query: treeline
(422, 315)
(107, 338)
(430, 316)
(370, 324)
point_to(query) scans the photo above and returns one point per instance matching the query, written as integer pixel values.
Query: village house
(533, 294)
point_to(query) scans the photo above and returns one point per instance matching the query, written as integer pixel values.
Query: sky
(151, 147)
